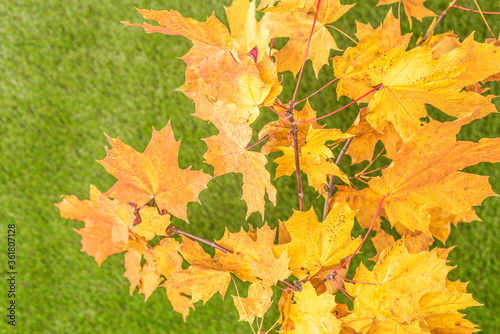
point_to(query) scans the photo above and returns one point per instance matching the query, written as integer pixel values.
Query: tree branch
(331, 185)
(441, 16)
(172, 230)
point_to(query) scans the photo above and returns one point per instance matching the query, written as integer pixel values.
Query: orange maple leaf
(154, 174)
(106, 223)
(297, 26)
(413, 8)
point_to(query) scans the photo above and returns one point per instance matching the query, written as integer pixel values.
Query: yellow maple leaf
(253, 259)
(255, 304)
(356, 67)
(282, 135)
(314, 158)
(413, 8)
(312, 314)
(441, 221)
(152, 223)
(297, 26)
(424, 175)
(414, 79)
(401, 279)
(246, 31)
(315, 245)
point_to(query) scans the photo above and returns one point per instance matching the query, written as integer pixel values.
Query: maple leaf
(153, 174)
(414, 79)
(253, 259)
(315, 245)
(364, 201)
(413, 8)
(314, 158)
(201, 280)
(282, 132)
(361, 67)
(106, 223)
(441, 221)
(401, 279)
(246, 31)
(228, 154)
(363, 145)
(211, 39)
(424, 175)
(312, 313)
(255, 304)
(415, 242)
(152, 223)
(297, 26)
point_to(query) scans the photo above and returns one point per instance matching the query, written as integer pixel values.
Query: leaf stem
(343, 33)
(316, 92)
(475, 11)
(441, 16)
(176, 230)
(331, 185)
(366, 235)
(342, 108)
(307, 51)
(269, 135)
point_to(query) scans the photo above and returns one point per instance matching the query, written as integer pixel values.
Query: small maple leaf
(297, 26)
(284, 5)
(314, 157)
(413, 8)
(106, 223)
(315, 245)
(152, 223)
(255, 304)
(153, 174)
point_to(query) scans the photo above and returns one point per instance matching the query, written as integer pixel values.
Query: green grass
(71, 71)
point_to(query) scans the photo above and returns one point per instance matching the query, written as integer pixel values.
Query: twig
(475, 11)
(331, 185)
(295, 132)
(486, 22)
(441, 16)
(176, 230)
(319, 90)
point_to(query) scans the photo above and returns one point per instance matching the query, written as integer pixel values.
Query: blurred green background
(70, 72)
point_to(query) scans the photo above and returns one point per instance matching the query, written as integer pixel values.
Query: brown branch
(175, 230)
(441, 16)
(172, 230)
(475, 11)
(331, 185)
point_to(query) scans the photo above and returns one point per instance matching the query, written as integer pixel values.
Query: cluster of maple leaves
(231, 74)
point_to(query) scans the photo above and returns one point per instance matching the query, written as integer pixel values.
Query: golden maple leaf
(256, 303)
(297, 26)
(154, 174)
(315, 245)
(413, 8)
(401, 280)
(424, 175)
(284, 5)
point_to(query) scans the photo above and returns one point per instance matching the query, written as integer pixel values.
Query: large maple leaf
(425, 174)
(401, 279)
(154, 174)
(297, 26)
(413, 79)
(315, 245)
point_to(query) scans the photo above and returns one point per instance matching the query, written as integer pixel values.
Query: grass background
(71, 71)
